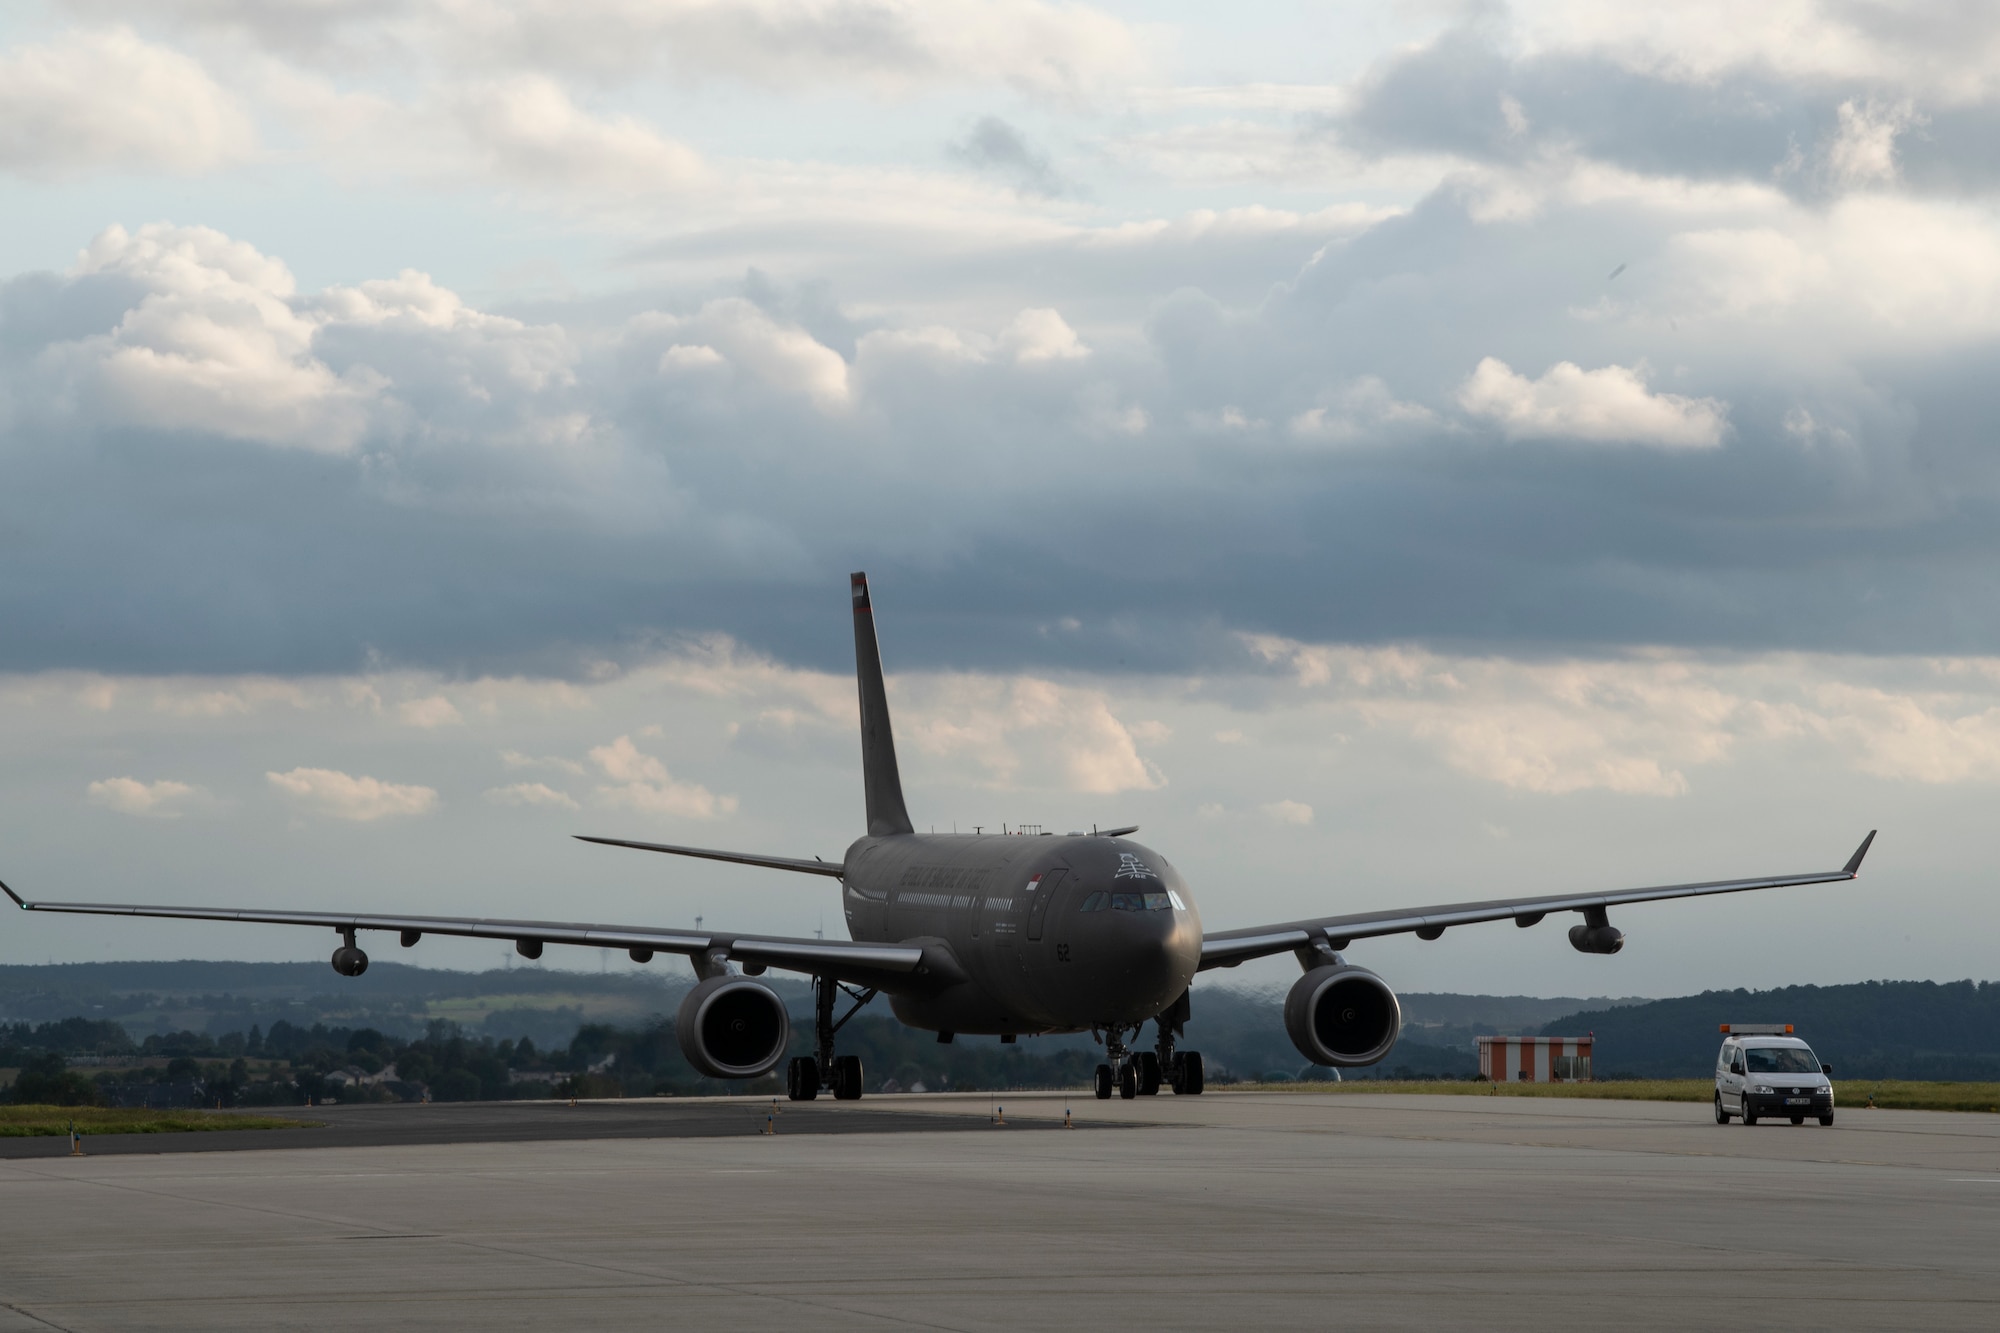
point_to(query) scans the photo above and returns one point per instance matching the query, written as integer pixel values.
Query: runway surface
(515, 1122)
(1224, 1210)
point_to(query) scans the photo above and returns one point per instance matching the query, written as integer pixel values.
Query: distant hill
(1886, 1029)
(1874, 1029)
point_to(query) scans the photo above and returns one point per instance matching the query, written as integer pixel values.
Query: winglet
(1854, 861)
(19, 901)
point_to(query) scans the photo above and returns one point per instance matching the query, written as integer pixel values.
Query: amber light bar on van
(1756, 1029)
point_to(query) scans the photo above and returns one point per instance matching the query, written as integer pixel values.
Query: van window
(1781, 1060)
(1727, 1058)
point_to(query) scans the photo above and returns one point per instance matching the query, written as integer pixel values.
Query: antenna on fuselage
(880, 778)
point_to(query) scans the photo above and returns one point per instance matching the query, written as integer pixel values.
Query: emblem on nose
(1131, 867)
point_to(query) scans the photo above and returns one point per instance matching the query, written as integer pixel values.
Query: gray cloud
(1465, 94)
(510, 494)
(998, 149)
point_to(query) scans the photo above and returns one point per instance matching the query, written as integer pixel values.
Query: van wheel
(1826, 1119)
(1721, 1116)
(1798, 1120)
(1749, 1112)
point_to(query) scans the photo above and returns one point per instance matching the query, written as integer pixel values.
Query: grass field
(17, 1122)
(1849, 1095)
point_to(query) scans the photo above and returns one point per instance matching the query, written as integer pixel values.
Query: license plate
(1798, 1101)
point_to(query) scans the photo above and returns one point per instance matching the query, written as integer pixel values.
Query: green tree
(45, 1080)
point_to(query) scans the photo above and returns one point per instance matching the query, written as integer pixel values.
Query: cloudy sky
(1396, 453)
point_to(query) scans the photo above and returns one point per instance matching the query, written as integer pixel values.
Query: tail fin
(879, 775)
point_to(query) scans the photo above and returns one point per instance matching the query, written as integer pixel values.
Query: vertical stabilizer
(879, 775)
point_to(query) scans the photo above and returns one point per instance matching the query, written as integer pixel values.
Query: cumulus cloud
(1607, 406)
(104, 100)
(215, 345)
(772, 352)
(436, 711)
(889, 46)
(337, 795)
(641, 781)
(1041, 335)
(530, 793)
(1028, 733)
(161, 799)
(532, 130)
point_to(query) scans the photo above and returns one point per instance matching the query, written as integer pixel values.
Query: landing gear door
(1041, 892)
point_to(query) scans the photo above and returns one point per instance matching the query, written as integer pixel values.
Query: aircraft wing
(842, 958)
(1229, 947)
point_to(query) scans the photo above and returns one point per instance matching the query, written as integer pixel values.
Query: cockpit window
(1128, 902)
(1780, 1060)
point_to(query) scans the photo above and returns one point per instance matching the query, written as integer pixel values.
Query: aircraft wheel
(802, 1078)
(1721, 1116)
(1188, 1065)
(1149, 1073)
(1798, 1120)
(1128, 1080)
(847, 1078)
(1103, 1083)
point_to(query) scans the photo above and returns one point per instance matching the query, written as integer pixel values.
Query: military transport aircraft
(995, 935)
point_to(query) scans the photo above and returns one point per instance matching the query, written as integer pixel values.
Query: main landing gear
(806, 1076)
(1140, 1073)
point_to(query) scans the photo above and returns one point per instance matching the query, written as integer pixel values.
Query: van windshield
(1780, 1060)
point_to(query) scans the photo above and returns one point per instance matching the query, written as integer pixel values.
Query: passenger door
(1729, 1077)
(1042, 892)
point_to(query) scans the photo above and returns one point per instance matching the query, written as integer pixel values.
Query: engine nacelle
(1342, 1016)
(349, 961)
(732, 1027)
(1604, 938)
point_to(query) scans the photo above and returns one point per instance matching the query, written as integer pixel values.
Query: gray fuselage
(1053, 933)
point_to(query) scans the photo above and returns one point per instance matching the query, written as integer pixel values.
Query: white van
(1764, 1074)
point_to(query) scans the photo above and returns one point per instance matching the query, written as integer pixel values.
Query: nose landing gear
(1122, 1071)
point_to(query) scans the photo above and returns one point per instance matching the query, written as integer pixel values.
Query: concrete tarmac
(1224, 1210)
(366, 1126)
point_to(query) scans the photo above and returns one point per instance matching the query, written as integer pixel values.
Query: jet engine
(1342, 1016)
(349, 961)
(732, 1027)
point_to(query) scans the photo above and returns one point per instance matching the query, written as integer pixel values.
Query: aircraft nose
(1157, 953)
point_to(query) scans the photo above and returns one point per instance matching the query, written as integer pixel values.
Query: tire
(1749, 1112)
(1149, 1073)
(1128, 1080)
(1826, 1119)
(1103, 1083)
(802, 1078)
(847, 1078)
(1721, 1116)
(1798, 1120)
(1191, 1081)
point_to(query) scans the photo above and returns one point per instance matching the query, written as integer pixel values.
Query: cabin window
(1157, 902)
(1128, 902)
(1095, 902)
